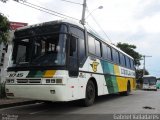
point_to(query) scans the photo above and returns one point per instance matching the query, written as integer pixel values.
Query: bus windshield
(149, 80)
(40, 50)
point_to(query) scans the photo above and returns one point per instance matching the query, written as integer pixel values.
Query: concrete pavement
(105, 107)
(5, 102)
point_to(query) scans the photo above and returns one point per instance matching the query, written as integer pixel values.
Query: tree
(130, 50)
(4, 28)
(139, 73)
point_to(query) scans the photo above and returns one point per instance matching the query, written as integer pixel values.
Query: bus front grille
(27, 81)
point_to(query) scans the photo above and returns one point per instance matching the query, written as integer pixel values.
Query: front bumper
(38, 92)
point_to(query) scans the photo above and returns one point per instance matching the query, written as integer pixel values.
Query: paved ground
(4, 103)
(10, 101)
(139, 102)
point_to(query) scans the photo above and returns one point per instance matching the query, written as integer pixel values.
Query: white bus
(63, 61)
(149, 82)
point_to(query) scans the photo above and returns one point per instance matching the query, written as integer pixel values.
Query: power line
(100, 27)
(52, 11)
(92, 28)
(41, 10)
(46, 10)
(72, 2)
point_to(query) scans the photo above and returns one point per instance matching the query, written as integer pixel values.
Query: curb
(17, 104)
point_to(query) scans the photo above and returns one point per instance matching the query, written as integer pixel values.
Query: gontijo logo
(94, 66)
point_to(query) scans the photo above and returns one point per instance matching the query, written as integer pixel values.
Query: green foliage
(139, 73)
(130, 50)
(4, 28)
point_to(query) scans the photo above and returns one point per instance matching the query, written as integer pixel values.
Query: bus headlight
(58, 80)
(12, 80)
(53, 80)
(9, 80)
(48, 81)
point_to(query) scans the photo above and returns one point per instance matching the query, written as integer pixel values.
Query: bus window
(98, 48)
(109, 54)
(21, 55)
(91, 44)
(106, 52)
(122, 59)
(132, 64)
(127, 62)
(115, 55)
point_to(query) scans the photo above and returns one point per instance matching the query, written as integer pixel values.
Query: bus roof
(79, 25)
(145, 76)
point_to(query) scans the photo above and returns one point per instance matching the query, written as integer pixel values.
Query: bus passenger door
(73, 66)
(73, 69)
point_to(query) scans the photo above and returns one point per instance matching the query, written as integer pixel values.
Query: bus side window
(109, 53)
(91, 44)
(98, 48)
(115, 56)
(106, 52)
(132, 63)
(127, 62)
(122, 59)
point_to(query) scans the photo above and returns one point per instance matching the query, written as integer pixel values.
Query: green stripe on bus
(107, 67)
(111, 81)
(37, 74)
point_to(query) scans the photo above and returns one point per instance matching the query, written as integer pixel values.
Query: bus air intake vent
(27, 81)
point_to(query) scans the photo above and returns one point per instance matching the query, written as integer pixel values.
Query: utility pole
(83, 12)
(144, 57)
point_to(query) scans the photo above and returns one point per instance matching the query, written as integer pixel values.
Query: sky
(134, 22)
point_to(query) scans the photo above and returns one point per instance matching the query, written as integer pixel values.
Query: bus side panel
(122, 84)
(111, 84)
(121, 81)
(133, 83)
(110, 78)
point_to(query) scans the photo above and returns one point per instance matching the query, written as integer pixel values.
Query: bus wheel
(90, 94)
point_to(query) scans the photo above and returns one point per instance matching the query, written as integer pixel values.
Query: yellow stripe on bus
(122, 83)
(116, 70)
(49, 73)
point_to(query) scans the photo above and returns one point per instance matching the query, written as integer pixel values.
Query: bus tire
(90, 94)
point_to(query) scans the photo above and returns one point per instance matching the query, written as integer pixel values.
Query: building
(5, 51)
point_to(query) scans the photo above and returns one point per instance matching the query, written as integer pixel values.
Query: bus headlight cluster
(9, 80)
(53, 80)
